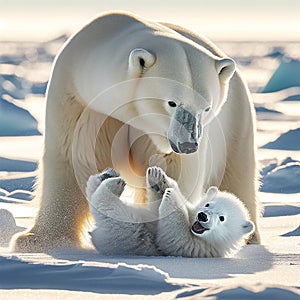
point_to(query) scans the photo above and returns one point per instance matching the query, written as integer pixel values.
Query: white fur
(93, 123)
(174, 236)
(122, 229)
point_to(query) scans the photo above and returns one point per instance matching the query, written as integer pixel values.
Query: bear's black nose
(202, 217)
(188, 147)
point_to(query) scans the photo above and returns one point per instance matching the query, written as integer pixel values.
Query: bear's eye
(172, 104)
(142, 62)
(207, 205)
(222, 219)
(207, 109)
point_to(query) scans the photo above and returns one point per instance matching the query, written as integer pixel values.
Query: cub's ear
(225, 68)
(139, 60)
(211, 192)
(248, 227)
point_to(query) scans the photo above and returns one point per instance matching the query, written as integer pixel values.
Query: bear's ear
(139, 60)
(211, 192)
(225, 68)
(248, 227)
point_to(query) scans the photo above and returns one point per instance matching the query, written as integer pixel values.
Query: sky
(256, 20)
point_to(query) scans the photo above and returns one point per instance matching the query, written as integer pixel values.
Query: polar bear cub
(216, 226)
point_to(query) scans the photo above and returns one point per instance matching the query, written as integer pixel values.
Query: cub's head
(223, 221)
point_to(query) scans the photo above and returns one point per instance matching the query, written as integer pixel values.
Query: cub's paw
(115, 185)
(108, 173)
(95, 180)
(157, 180)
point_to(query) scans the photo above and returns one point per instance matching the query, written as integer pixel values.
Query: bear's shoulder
(196, 38)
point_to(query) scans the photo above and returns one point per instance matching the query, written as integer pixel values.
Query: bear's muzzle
(185, 131)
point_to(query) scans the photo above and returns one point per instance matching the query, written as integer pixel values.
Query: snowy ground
(267, 271)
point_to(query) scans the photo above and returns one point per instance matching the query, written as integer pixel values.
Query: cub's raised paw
(157, 179)
(116, 185)
(95, 180)
(108, 173)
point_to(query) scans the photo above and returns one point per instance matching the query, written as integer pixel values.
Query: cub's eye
(207, 205)
(222, 219)
(172, 104)
(207, 109)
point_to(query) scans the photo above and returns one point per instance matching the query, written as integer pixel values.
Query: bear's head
(151, 77)
(223, 221)
(190, 83)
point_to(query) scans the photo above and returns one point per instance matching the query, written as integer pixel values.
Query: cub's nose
(202, 217)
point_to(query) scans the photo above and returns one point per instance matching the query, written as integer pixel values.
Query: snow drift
(287, 75)
(16, 121)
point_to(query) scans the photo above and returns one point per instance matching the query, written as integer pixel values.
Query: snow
(9, 113)
(261, 109)
(293, 98)
(286, 75)
(268, 293)
(282, 177)
(101, 277)
(295, 232)
(267, 271)
(16, 165)
(8, 227)
(287, 141)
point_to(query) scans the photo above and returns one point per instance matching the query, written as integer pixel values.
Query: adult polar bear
(126, 93)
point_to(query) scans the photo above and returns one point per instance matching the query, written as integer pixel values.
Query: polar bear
(216, 226)
(128, 93)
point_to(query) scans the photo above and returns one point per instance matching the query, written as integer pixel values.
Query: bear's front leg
(62, 212)
(173, 232)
